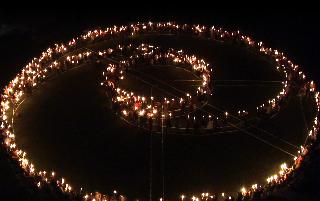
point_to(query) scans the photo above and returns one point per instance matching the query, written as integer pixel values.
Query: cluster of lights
(57, 57)
(287, 68)
(100, 197)
(150, 106)
(31, 76)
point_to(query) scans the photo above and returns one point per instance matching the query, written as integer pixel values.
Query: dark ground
(214, 167)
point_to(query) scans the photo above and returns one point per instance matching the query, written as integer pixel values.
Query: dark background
(25, 34)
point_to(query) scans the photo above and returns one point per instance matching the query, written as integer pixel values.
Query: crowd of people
(144, 110)
(62, 57)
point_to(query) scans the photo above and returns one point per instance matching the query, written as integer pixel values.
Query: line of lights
(39, 69)
(150, 106)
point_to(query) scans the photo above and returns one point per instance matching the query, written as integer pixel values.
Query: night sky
(23, 35)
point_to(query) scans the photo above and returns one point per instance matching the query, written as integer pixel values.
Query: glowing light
(40, 68)
(125, 112)
(243, 190)
(142, 112)
(283, 166)
(254, 186)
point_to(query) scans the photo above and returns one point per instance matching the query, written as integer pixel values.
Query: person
(195, 125)
(159, 122)
(150, 123)
(168, 123)
(187, 123)
(210, 123)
